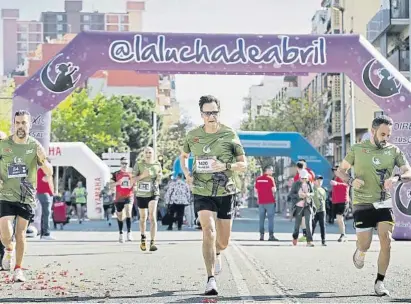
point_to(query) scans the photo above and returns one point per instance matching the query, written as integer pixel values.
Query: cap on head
(319, 177)
(304, 174)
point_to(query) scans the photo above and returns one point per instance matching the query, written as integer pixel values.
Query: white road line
(239, 280)
(263, 275)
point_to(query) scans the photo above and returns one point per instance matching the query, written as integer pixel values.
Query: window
(59, 27)
(22, 27)
(86, 27)
(378, 114)
(59, 18)
(258, 110)
(86, 18)
(22, 37)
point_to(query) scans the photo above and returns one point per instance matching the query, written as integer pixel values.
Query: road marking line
(239, 280)
(263, 275)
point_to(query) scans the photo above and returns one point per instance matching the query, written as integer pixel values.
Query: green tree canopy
(294, 115)
(96, 122)
(6, 104)
(138, 121)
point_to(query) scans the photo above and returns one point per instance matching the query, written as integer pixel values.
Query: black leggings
(179, 210)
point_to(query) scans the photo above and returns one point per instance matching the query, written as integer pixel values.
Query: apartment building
(388, 31)
(22, 37)
(340, 16)
(258, 101)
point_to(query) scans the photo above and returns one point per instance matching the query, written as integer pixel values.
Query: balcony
(164, 100)
(390, 20)
(401, 61)
(335, 132)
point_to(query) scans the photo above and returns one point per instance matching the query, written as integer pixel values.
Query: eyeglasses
(209, 113)
(124, 164)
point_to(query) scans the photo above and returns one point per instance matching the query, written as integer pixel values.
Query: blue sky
(202, 16)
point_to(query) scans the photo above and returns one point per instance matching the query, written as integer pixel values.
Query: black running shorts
(369, 218)
(142, 202)
(24, 211)
(223, 205)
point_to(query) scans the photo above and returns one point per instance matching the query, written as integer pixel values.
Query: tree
(96, 122)
(138, 121)
(6, 105)
(171, 142)
(295, 115)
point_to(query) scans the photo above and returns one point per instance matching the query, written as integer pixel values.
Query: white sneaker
(211, 288)
(129, 237)
(19, 275)
(358, 258)
(218, 266)
(8, 261)
(380, 289)
(47, 238)
(121, 238)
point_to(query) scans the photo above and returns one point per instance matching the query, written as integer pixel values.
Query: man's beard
(379, 144)
(21, 133)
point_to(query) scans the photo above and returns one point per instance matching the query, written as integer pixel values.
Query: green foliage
(170, 144)
(96, 122)
(295, 115)
(123, 122)
(138, 133)
(6, 104)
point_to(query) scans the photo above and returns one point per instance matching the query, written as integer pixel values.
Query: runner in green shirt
(374, 161)
(218, 154)
(147, 176)
(20, 156)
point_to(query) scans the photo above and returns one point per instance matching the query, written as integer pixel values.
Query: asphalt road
(87, 264)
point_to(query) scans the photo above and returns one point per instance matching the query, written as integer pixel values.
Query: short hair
(123, 158)
(266, 168)
(300, 165)
(382, 120)
(21, 113)
(208, 99)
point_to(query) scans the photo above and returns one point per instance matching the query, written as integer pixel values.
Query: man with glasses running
(20, 156)
(374, 161)
(218, 155)
(122, 181)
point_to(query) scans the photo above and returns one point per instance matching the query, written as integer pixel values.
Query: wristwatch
(228, 166)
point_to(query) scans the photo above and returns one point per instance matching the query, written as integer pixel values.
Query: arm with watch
(239, 166)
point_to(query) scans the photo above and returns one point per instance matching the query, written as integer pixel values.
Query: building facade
(348, 17)
(388, 31)
(22, 37)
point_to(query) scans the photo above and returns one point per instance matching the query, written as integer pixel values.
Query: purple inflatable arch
(172, 53)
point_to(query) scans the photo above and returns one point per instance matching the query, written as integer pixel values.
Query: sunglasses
(209, 113)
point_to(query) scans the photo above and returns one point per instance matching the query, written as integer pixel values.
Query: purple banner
(226, 55)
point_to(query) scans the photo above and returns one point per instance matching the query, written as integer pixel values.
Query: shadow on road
(159, 294)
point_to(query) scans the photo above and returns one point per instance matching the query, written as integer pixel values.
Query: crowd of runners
(219, 159)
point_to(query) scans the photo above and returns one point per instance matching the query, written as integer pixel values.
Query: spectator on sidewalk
(302, 165)
(45, 197)
(340, 203)
(320, 197)
(177, 197)
(265, 189)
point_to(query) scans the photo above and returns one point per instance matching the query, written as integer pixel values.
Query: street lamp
(342, 76)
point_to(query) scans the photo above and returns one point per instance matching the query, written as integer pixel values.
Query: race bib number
(125, 183)
(16, 170)
(384, 204)
(144, 187)
(204, 164)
